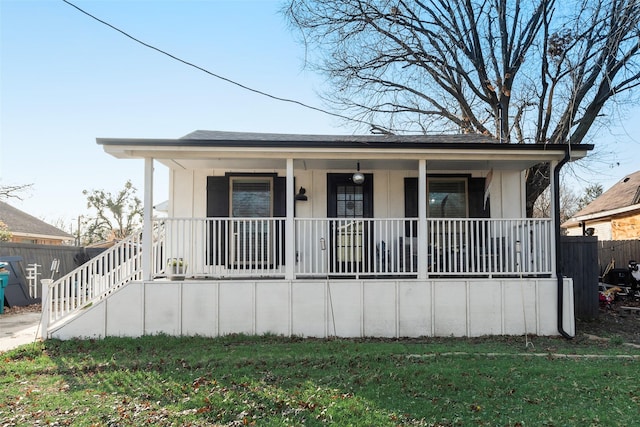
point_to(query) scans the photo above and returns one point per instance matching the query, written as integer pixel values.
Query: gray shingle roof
(209, 138)
(213, 135)
(20, 222)
(624, 193)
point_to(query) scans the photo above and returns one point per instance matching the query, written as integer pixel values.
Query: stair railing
(94, 280)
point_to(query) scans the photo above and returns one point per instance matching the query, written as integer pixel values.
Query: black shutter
(477, 210)
(410, 206)
(217, 206)
(218, 196)
(476, 199)
(280, 196)
(279, 211)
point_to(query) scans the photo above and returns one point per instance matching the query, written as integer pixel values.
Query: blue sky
(66, 79)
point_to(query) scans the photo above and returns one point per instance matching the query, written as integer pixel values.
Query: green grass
(273, 381)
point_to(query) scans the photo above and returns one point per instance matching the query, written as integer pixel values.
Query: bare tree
(569, 204)
(591, 193)
(522, 71)
(117, 216)
(13, 191)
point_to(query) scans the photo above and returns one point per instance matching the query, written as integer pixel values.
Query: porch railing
(95, 279)
(490, 246)
(220, 247)
(255, 247)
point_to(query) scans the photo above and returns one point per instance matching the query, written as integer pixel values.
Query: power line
(190, 64)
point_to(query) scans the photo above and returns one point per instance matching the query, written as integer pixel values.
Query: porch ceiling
(345, 164)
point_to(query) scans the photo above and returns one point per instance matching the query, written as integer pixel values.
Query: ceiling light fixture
(358, 177)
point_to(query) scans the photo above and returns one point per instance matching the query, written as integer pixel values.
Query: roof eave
(42, 236)
(168, 149)
(607, 213)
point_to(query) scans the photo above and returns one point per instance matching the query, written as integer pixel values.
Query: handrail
(95, 279)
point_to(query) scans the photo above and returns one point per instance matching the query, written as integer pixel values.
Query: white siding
(507, 195)
(602, 229)
(188, 195)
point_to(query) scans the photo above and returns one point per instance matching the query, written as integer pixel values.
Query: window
(251, 197)
(251, 240)
(447, 198)
(349, 201)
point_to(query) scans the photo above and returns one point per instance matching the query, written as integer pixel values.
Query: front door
(350, 248)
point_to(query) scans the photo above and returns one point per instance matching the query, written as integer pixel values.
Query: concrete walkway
(18, 329)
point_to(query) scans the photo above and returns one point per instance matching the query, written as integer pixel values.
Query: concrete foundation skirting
(319, 308)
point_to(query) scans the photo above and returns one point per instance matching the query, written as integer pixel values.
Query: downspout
(556, 214)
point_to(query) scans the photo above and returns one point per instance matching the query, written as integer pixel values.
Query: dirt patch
(10, 311)
(614, 322)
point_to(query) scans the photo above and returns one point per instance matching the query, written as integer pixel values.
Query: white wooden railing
(220, 247)
(255, 247)
(490, 246)
(95, 279)
(355, 246)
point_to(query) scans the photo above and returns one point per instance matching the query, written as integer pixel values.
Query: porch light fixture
(358, 177)
(302, 195)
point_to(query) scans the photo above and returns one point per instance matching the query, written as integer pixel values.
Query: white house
(317, 236)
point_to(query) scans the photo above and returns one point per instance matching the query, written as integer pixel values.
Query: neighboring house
(25, 228)
(615, 215)
(317, 236)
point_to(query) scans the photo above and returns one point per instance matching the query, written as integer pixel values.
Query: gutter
(556, 214)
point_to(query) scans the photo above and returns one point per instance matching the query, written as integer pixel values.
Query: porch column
(147, 220)
(289, 227)
(552, 188)
(423, 249)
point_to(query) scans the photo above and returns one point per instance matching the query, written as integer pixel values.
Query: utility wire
(190, 64)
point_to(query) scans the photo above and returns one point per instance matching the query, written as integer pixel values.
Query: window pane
(447, 198)
(349, 201)
(251, 198)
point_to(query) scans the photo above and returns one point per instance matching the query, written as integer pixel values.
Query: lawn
(274, 381)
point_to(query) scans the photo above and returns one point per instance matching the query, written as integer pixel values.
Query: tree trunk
(538, 179)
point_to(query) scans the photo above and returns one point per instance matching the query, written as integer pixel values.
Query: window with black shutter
(245, 196)
(449, 197)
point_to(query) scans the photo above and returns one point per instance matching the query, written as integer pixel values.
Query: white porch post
(423, 249)
(44, 317)
(552, 188)
(289, 227)
(147, 226)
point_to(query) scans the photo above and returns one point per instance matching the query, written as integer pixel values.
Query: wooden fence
(585, 259)
(579, 260)
(70, 257)
(620, 251)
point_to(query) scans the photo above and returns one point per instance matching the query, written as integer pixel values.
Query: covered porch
(317, 235)
(428, 206)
